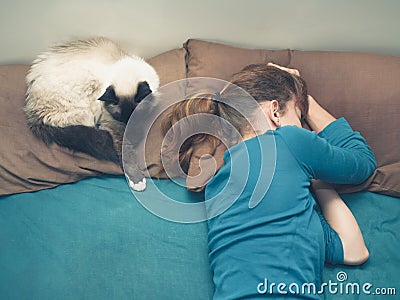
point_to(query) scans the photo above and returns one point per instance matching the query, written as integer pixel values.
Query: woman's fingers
(291, 71)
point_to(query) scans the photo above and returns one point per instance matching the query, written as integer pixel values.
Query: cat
(81, 94)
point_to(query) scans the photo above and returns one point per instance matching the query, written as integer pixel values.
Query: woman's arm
(332, 151)
(318, 118)
(341, 219)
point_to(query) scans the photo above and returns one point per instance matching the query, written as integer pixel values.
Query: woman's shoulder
(302, 134)
(291, 133)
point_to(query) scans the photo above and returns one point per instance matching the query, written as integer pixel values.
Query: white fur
(64, 84)
(139, 187)
(121, 75)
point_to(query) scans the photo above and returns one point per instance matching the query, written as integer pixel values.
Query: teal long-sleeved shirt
(269, 232)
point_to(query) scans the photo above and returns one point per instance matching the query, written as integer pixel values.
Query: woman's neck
(248, 134)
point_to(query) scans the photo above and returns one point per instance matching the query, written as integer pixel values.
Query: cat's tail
(90, 140)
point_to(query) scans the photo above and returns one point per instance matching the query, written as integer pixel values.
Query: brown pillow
(364, 88)
(206, 59)
(170, 65)
(361, 87)
(26, 164)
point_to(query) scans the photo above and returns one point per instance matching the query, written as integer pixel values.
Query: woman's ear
(271, 110)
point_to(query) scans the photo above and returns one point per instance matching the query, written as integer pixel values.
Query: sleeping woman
(279, 246)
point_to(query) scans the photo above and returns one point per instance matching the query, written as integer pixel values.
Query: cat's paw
(139, 187)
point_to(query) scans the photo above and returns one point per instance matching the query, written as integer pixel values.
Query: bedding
(93, 240)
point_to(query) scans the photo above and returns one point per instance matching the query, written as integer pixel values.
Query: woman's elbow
(356, 257)
(367, 169)
(371, 164)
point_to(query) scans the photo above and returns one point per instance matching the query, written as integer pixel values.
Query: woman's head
(281, 95)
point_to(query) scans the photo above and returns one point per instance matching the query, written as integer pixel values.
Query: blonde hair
(199, 103)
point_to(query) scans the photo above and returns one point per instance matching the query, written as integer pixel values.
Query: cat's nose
(142, 91)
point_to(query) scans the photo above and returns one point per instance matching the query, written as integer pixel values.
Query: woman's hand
(291, 71)
(318, 118)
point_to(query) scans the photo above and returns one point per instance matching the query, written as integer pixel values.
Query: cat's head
(131, 80)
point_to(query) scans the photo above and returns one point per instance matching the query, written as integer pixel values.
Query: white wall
(151, 27)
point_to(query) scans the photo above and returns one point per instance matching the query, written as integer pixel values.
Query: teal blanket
(93, 240)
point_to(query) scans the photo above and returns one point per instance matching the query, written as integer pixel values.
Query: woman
(279, 246)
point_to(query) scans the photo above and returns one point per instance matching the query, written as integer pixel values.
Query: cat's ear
(109, 96)
(142, 91)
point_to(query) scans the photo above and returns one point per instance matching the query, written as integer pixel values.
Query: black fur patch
(126, 108)
(109, 96)
(93, 141)
(142, 91)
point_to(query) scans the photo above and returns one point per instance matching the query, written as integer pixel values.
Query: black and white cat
(81, 94)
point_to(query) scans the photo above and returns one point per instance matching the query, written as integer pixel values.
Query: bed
(72, 229)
